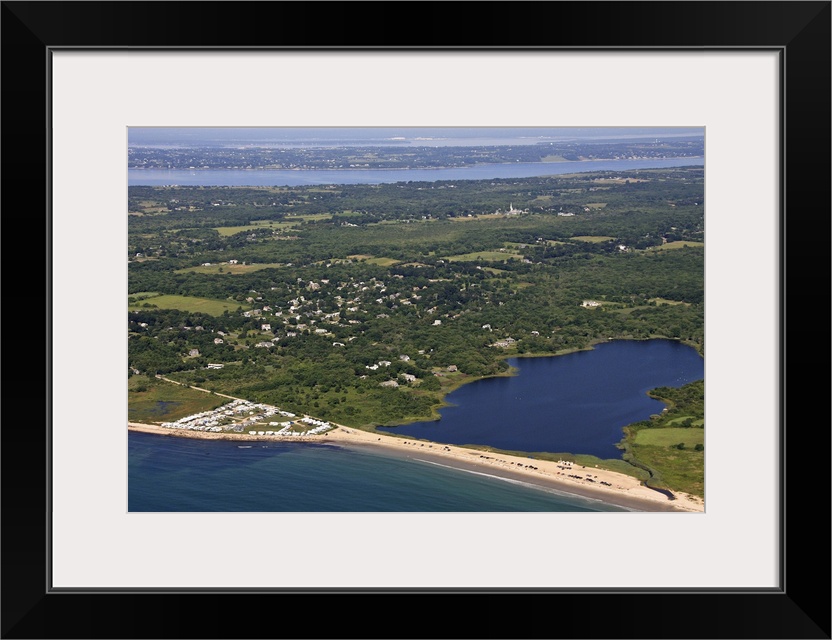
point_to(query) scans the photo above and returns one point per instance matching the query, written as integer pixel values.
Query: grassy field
(655, 444)
(666, 301)
(668, 437)
(290, 222)
(312, 217)
(487, 256)
(224, 268)
(676, 244)
(593, 238)
(189, 304)
(618, 180)
(381, 261)
(256, 225)
(152, 400)
(481, 216)
(680, 469)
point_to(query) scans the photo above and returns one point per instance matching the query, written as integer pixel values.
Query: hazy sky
(405, 136)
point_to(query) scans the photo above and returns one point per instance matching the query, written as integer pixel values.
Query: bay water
(294, 178)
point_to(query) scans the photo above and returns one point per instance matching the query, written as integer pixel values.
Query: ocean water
(168, 474)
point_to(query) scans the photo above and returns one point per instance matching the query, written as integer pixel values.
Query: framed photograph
(754, 78)
(406, 317)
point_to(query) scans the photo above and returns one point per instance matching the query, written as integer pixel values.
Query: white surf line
(531, 485)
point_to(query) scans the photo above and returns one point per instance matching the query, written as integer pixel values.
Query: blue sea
(606, 386)
(188, 475)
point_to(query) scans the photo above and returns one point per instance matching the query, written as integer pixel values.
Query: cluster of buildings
(319, 427)
(234, 416)
(301, 314)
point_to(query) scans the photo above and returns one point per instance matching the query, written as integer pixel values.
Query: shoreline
(428, 168)
(513, 371)
(623, 490)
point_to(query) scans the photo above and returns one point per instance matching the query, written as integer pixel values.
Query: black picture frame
(800, 608)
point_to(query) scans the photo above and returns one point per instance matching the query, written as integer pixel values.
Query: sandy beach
(618, 489)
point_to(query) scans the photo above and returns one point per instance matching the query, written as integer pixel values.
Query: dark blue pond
(575, 403)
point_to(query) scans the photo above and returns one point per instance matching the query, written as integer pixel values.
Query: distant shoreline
(623, 490)
(351, 169)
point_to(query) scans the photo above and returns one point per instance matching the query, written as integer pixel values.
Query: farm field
(380, 260)
(225, 268)
(593, 238)
(487, 256)
(676, 244)
(188, 304)
(256, 225)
